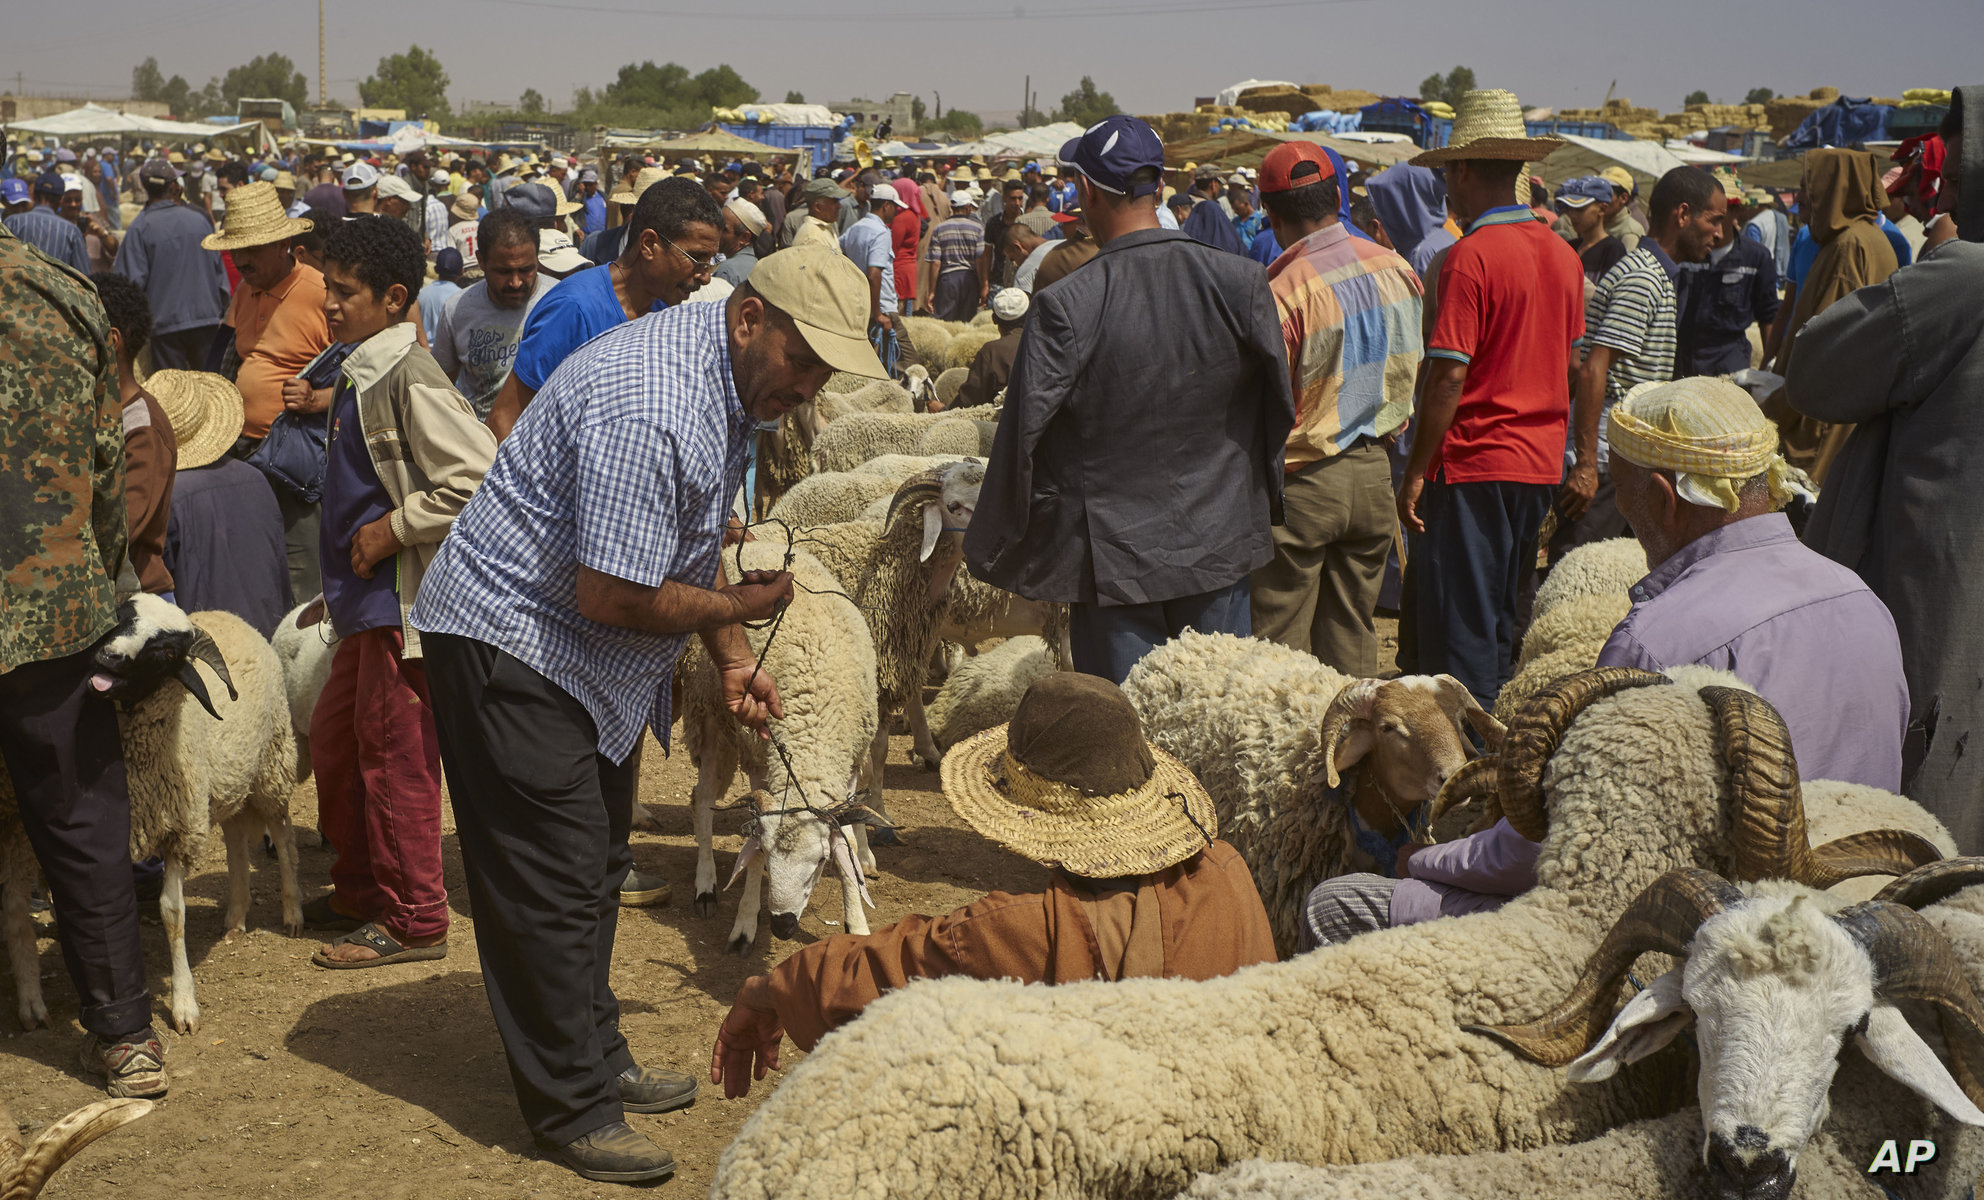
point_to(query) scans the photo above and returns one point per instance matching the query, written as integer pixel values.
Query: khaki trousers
(1329, 559)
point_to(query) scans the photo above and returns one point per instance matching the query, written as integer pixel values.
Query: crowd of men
(496, 416)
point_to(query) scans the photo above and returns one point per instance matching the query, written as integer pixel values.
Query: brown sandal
(385, 944)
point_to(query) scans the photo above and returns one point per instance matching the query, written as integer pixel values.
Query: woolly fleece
(1351, 1053)
(857, 437)
(305, 655)
(1582, 621)
(985, 689)
(950, 383)
(1609, 567)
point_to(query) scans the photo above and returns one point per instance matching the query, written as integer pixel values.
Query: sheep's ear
(1649, 1021)
(1462, 707)
(933, 528)
(1894, 1046)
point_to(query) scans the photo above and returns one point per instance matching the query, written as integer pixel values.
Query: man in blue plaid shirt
(553, 617)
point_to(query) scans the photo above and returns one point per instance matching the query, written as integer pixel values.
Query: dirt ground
(391, 1082)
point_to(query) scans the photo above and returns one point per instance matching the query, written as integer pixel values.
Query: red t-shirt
(904, 234)
(1511, 303)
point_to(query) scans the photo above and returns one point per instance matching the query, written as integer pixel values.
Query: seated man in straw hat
(1141, 889)
(1698, 475)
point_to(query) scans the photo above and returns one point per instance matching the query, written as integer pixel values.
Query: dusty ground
(391, 1083)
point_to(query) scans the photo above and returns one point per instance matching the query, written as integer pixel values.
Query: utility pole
(940, 104)
(320, 55)
(1024, 93)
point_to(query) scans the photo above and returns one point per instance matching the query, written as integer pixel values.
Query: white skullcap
(750, 214)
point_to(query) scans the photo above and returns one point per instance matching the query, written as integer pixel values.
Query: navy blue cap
(13, 191)
(534, 200)
(1111, 150)
(1585, 189)
(448, 263)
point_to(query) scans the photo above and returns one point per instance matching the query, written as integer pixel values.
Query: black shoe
(617, 1154)
(648, 1090)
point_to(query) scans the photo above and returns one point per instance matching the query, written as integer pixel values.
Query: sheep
(857, 437)
(1268, 729)
(961, 436)
(930, 336)
(985, 691)
(877, 396)
(831, 497)
(950, 383)
(1565, 637)
(916, 381)
(305, 653)
(965, 346)
(24, 1170)
(231, 765)
(824, 663)
(1776, 977)
(899, 572)
(1608, 567)
(979, 612)
(1350, 1053)
(981, 319)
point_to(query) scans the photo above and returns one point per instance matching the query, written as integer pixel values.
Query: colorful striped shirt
(956, 244)
(1632, 312)
(1350, 319)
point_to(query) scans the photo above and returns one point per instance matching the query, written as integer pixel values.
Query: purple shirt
(1750, 599)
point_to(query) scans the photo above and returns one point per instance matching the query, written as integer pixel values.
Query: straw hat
(1488, 124)
(204, 408)
(630, 188)
(255, 217)
(467, 207)
(284, 181)
(1071, 783)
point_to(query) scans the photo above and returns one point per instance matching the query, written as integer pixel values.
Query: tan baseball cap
(827, 298)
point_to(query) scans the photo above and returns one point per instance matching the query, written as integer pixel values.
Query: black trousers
(66, 759)
(183, 349)
(1457, 604)
(542, 818)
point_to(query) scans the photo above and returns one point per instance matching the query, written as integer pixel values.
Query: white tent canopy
(94, 120)
(1042, 141)
(1647, 161)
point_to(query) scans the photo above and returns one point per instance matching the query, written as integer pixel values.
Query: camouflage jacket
(61, 460)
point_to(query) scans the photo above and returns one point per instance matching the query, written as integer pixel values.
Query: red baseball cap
(1278, 168)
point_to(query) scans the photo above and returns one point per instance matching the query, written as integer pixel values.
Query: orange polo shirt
(277, 333)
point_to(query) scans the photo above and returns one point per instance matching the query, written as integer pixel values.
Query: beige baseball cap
(827, 298)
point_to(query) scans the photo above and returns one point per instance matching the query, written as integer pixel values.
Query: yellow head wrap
(1709, 432)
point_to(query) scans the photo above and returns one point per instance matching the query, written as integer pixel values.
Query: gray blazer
(1138, 457)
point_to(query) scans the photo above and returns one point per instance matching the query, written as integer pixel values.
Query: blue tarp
(1841, 123)
(1325, 121)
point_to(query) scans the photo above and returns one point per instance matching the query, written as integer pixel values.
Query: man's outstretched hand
(747, 1043)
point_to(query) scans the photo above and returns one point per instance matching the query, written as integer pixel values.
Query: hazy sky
(1153, 55)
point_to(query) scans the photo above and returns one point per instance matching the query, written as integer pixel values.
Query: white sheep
(874, 396)
(824, 664)
(831, 497)
(980, 612)
(1351, 1053)
(950, 383)
(305, 653)
(195, 759)
(916, 381)
(855, 438)
(25, 1169)
(1774, 978)
(965, 346)
(899, 572)
(1609, 567)
(1565, 639)
(984, 691)
(930, 336)
(1271, 732)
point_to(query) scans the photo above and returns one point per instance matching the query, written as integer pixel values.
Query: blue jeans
(1109, 641)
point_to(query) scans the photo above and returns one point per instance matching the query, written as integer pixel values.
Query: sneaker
(649, 1090)
(132, 1066)
(643, 891)
(617, 1154)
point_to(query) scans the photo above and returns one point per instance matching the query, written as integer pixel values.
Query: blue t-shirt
(867, 244)
(353, 499)
(595, 214)
(1805, 251)
(570, 315)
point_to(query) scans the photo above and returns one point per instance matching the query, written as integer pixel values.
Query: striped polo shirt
(1632, 311)
(1350, 318)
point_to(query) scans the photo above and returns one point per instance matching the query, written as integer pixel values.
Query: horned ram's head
(155, 641)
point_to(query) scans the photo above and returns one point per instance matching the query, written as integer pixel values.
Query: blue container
(1404, 116)
(1591, 129)
(817, 140)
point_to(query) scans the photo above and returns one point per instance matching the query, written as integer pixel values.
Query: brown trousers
(1321, 589)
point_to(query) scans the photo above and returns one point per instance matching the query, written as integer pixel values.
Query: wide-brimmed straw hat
(1488, 124)
(255, 217)
(631, 186)
(467, 207)
(1071, 783)
(205, 410)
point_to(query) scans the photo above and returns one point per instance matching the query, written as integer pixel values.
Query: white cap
(439, 176)
(1009, 304)
(750, 214)
(359, 176)
(960, 198)
(555, 252)
(396, 188)
(72, 183)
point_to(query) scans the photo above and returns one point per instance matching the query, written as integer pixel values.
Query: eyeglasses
(701, 266)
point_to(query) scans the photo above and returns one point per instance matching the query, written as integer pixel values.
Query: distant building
(897, 109)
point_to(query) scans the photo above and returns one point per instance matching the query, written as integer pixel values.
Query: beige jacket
(426, 444)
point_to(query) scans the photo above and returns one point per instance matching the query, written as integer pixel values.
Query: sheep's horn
(207, 651)
(924, 487)
(1662, 919)
(1476, 777)
(1351, 701)
(64, 1139)
(1769, 840)
(1933, 883)
(1535, 730)
(1913, 961)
